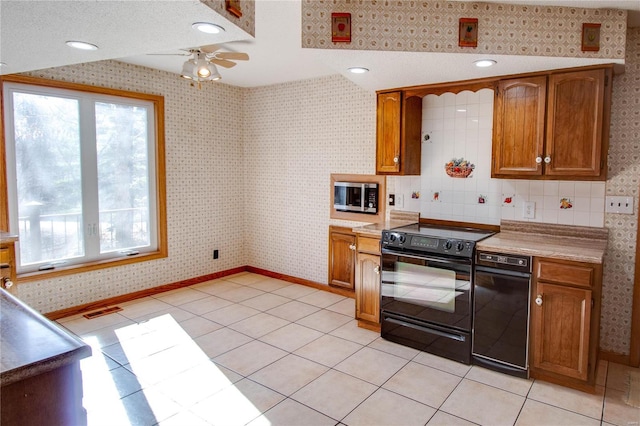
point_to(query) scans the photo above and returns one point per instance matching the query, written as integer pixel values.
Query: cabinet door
(368, 287)
(561, 327)
(575, 123)
(342, 257)
(388, 132)
(518, 129)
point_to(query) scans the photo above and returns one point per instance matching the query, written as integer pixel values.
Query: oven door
(427, 289)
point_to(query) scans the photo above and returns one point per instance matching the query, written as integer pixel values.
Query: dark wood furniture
(40, 369)
(342, 257)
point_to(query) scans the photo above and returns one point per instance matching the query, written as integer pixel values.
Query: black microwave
(357, 197)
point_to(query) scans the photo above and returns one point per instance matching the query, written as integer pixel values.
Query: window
(85, 174)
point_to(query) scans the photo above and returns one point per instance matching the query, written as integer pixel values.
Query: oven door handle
(426, 329)
(428, 258)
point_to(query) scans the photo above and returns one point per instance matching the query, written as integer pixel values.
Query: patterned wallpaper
(432, 26)
(297, 134)
(205, 172)
(623, 179)
(248, 8)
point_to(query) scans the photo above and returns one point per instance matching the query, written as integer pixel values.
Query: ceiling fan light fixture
(207, 27)
(358, 70)
(200, 69)
(202, 66)
(188, 70)
(484, 63)
(82, 45)
(215, 75)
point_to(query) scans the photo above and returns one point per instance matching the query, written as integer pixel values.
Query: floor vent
(102, 312)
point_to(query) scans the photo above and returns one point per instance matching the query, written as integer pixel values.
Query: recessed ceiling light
(82, 45)
(207, 27)
(2, 64)
(358, 70)
(483, 63)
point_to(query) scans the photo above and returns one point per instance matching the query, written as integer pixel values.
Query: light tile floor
(250, 349)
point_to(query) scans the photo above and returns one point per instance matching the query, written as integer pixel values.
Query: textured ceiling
(32, 36)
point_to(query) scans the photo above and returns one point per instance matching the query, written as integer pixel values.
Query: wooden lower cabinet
(565, 321)
(368, 282)
(8, 266)
(342, 257)
(368, 287)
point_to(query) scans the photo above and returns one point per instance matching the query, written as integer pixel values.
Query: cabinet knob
(395, 159)
(539, 300)
(547, 159)
(377, 270)
(8, 283)
(538, 159)
(352, 246)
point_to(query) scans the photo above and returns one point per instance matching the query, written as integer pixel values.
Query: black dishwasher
(501, 313)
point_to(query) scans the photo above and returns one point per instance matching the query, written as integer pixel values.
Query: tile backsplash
(458, 128)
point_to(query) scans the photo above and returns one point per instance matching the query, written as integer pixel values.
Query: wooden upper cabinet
(575, 123)
(552, 126)
(399, 122)
(518, 126)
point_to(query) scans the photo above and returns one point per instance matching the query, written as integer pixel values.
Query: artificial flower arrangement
(459, 168)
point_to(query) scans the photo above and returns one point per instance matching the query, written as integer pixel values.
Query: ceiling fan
(202, 64)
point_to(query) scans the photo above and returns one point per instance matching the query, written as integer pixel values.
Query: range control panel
(400, 241)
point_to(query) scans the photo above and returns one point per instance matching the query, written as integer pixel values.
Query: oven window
(419, 283)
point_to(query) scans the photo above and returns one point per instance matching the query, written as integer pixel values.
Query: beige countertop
(573, 243)
(6, 237)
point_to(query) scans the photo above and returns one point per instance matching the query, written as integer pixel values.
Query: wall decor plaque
(468, 32)
(341, 27)
(233, 7)
(590, 37)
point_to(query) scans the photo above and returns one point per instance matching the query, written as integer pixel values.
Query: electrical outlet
(529, 209)
(623, 205)
(215, 254)
(399, 201)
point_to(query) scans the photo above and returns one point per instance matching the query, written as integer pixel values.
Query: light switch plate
(623, 205)
(529, 209)
(399, 201)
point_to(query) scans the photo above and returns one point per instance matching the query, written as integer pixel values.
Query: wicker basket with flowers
(459, 168)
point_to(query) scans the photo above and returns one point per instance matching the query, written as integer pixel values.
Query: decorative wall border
(432, 26)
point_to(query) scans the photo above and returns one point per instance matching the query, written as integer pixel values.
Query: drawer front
(368, 245)
(576, 274)
(5, 254)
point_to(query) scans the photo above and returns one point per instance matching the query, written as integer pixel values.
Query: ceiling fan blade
(169, 54)
(210, 48)
(237, 56)
(223, 63)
